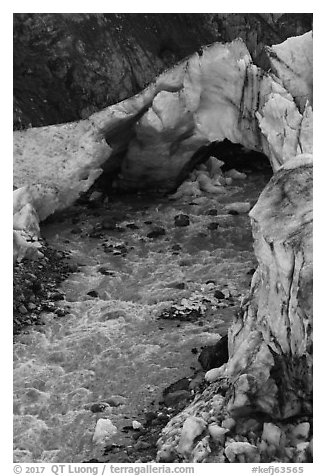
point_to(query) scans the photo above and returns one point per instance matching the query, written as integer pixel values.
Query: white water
(114, 345)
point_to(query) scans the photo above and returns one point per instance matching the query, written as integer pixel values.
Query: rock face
(269, 370)
(70, 65)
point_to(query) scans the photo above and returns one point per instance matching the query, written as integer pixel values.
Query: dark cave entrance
(234, 156)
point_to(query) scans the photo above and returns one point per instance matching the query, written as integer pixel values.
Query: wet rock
(213, 356)
(93, 293)
(106, 271)
(213, 225)
(56, 296)
(61, 312)
(212, 212)
(122, 248)
(156, 232)
(132, 226)
(181, 220)
(218, 294)
(98, 407)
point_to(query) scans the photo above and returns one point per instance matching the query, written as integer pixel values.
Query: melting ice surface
(113, 347)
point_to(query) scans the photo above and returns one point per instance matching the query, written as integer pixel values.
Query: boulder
(104, 431)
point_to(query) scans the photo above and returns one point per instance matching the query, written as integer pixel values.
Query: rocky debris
(35, 287)
(116, 248)
(181, 220)
(197, 304)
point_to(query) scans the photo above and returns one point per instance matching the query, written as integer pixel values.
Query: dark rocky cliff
(67, 66)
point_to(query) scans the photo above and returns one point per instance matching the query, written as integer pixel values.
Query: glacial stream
(113, 349)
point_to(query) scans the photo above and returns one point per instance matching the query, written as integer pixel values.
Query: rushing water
(114, 346)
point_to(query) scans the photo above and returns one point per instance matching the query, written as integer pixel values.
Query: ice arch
(215, 94)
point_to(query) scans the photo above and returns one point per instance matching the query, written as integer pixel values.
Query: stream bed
(115, 351)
